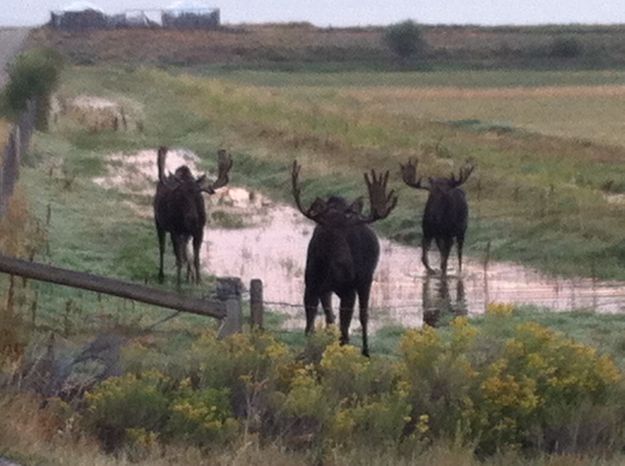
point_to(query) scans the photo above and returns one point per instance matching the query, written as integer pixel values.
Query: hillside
(291, 45)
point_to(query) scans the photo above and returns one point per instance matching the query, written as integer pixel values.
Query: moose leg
(161, 250)
(425, 246)
(444, 246)
(311, 301)
(348, 300)
(185, 258)
(179, 244)
(459, 244)
(326, 303)
(197, 244)
(363, 303)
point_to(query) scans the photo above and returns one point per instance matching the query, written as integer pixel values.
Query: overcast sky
(359, 12)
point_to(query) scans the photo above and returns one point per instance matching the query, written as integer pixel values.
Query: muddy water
(401, 294)
(273, 248)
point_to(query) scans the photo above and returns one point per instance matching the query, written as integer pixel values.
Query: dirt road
(11, 39)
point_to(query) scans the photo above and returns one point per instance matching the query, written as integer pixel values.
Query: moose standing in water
(343, 253)
(446, 212)
(179, 209)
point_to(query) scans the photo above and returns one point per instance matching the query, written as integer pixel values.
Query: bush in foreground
(494, 389)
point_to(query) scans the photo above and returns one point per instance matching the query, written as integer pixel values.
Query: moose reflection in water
(343, 252)
(446, 213)
(438, 306)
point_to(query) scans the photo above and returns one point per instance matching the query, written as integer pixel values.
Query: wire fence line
(16, 146)
(607, 303)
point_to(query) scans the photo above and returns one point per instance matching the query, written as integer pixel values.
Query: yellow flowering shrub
(500, 309)
(240, 359)
(128, 402)
(512, 387)
(372, 420)
(202, 417)
(305, 398)
(344, 371)
(439, 376)
(500, 387)
(139, 443)
(540, 380)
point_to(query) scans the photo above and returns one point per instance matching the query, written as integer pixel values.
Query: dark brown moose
(343, 253)
(179, 210)
(446, 212)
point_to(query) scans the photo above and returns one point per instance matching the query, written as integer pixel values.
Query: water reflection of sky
(275, 251)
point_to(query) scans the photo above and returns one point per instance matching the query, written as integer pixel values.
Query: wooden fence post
(229, 290)
(256, 303)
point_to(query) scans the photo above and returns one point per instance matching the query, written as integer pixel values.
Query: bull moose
(343, 252)
(446, 213)
(179, 209)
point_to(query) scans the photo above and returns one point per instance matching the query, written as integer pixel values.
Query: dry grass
(584, 112)
(4, 132)
(249, 44)
(31, 434)
(50, 435)
(202, 47)
(20, 234)
(505, 93)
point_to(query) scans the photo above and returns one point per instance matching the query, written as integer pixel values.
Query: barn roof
(182, 5)
(81, 5)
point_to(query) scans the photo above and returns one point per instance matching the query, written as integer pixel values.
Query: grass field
(571, 104)
(537, 198)
(4, 131)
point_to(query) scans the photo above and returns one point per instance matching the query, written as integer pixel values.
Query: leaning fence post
(256, 303)
(229, 290)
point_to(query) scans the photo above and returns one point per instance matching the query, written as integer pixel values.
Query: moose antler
(381, 203)
(409, 174)
(160, 162)
(224, 164)
(318, 207)
(463, 175)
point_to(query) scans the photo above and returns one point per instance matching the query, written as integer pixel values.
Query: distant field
(573, 104)
(303, 46)
(422, 79)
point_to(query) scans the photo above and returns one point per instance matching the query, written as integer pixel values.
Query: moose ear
(318, 206)
(203, 185)
(357, 205)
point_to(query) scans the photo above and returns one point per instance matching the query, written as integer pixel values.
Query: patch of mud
(616, 199)
(401, 293)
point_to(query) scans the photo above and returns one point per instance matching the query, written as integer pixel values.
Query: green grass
(535, 198)
(538, 199)
(435, 78)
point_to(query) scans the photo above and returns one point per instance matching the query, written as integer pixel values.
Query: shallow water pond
(271, 239)
(402, 294)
